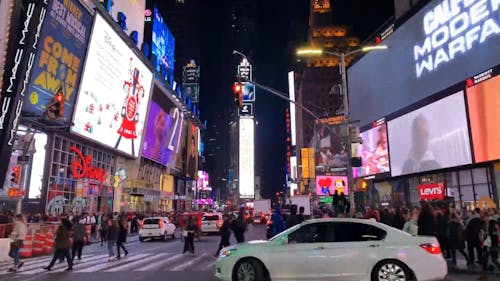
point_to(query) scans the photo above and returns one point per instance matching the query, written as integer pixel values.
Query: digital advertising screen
(330, 151)
(444, 43)
(192, 151)
(248, 91)
(326, 185)
(133, 10)
(374, 151)
(5, 16)
(247, 158)
(432, 137)
(58, 64)
(483, 101)
(163, 130)
(163, 47)
(114, 94)
(202, 182)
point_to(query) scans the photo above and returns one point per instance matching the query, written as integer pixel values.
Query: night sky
(280, 29)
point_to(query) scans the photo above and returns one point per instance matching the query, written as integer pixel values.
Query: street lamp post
(347, 116)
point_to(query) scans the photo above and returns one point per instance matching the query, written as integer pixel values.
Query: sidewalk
(462, 268)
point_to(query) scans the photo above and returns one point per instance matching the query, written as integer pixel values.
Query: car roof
(365, 221)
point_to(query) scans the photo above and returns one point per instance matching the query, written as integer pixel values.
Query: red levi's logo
(431, 191)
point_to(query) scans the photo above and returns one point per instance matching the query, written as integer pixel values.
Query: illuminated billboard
(202, 182)
(246, 165)
(483, 101)
(114, 93)
(374, 151)
(5, 16)
(59, 61)
(192, 151)
(163, 130)
(162, 47)
(432, 137)
(443, 44)
(326, 185)
(133, 10)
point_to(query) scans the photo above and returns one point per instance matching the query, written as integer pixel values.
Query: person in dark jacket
(426, 220)
(472, 230)
(490, 248)
(456, 238)
(301, 218)
(292, 219)
(62, 245)
(442, 217)
(225, 234)
(79, 236)
(189, 233)
(335, 202)
(104, 228)
(399, 219)
(239, 226)
(122, 237)
(112, 238)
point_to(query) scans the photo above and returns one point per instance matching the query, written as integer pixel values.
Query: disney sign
(81, 168)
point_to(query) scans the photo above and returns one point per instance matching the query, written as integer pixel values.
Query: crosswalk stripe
(159, 263)
(106, 265)
(136, 263)
(33, 264)
(189, 263)
(58, 267)
(26, 262)
(209, 266)
(84, 263)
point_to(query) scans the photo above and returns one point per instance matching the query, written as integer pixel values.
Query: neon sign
(81, 168)
(452, 28)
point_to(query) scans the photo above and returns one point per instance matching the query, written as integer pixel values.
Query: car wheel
(391, 270)
(141, 239)
(249, 270)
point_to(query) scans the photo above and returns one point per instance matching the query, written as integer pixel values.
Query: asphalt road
(150, 260)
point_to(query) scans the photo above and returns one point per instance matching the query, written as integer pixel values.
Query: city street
(146, 261)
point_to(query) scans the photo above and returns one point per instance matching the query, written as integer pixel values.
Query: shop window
(480, 175)
(467, 193)
(465, 177)
(451, 179)
(482, 190)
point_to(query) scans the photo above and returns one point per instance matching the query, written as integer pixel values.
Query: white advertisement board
(247, 179)
(114, 92)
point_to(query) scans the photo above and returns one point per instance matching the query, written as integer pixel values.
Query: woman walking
(79, 236)
(18, 235)
(104, 228)
(62, 245)
(456, 239)
(112, 238)
(122, 237)
(188, 234)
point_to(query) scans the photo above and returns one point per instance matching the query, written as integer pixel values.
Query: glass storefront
(79, 185)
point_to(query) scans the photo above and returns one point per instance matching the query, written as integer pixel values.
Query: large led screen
(163, 48)
(374, 151)
(329, 148)
(59, 60)
(163, 131)
(484, 116)
(134, 11)
(327, 185)
(192, 151)
(433, 137)
(114, 92)
(247, 160)
(443, 44)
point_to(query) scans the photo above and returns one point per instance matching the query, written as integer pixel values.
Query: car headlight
(226, 253)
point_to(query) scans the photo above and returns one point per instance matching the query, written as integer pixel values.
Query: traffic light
(16, 175)
(56, 108)
(238, 94)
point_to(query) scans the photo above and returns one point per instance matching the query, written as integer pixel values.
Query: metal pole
(350, 181)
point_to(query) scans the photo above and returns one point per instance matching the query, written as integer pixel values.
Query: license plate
(150, 234)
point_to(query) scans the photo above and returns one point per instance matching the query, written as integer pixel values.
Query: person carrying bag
(18, 235)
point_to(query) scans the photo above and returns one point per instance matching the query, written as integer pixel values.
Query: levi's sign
(453, 28)
(431, 191)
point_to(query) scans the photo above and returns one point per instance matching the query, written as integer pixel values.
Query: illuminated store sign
(81, 167)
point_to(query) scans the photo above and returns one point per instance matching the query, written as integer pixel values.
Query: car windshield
(152, 221)
(211, 218)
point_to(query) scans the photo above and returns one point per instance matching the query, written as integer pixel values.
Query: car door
(355, 250)
(303, 257)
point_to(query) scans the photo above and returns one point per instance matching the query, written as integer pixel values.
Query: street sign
(246, 110)
(23, 159)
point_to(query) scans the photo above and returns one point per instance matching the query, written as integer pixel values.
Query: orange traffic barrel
(26, 250)
(39, 243)
(49, 243)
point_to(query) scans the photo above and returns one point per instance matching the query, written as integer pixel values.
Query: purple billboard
(157, 131)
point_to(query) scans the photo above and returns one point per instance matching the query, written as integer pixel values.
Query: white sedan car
(156, 227)
(335, 249)
(211, 223)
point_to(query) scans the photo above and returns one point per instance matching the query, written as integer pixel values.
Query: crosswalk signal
(238, 94)
(55, 109)
(16, 175)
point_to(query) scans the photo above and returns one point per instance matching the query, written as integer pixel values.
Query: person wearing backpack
(455, 236)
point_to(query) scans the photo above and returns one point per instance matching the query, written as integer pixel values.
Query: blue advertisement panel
(163, 48)
(59, 60)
